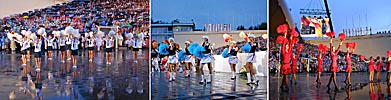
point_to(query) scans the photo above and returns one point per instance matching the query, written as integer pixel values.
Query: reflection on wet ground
(305, 89)
(123, 79)
(222, 87)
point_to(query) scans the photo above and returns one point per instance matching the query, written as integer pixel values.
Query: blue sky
(346, 12)
(235, 12)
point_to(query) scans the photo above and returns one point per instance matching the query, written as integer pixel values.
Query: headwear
(251, 36)
(171, 39)
(233, 42)
(187, 42)
(205, 37)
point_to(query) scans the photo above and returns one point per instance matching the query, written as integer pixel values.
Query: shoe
(107, 63)
(74, 67)
(69, 59)
(202, 82)
(90, 60)
(49, 58)
(24, 64)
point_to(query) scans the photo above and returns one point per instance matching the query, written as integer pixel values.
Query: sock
(254, 78)
(210, 77)
(188, 72)
(248, 77)
(233, 74)
(171, 75)
(202, 78)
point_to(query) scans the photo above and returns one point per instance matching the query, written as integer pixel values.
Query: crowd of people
(168, 57)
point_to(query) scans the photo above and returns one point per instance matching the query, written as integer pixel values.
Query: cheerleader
(334, 65)
(50, 44)
(188, 59)
(163, 57)
(233, 59)
(379, 68)
(154, 56)
(68, 45)
(172, 59)
(37, 52)
(207, 59)
(25, 45)
(389, 70)
(285, 68)
(320, 68)
(251, 58)
(109, 48)
(98, 41)
(371, 68)
(75, 46)
(137, 45)
(63, 48)
(90, 41)
(348, 69)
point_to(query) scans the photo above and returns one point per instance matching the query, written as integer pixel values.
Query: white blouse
(75, 44)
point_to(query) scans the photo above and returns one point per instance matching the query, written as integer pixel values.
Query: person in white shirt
(50, 44)
(25, 45)
(98, 41)
(37, 52)
(90, 44)
(74, 50)
(137, 44)
(109, 48)
(68, 45)
(63, 48)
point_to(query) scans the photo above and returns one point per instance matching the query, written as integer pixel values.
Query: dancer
(98, 43)
(75, 46)
(109, 48)
(285, 68)
(207, 59)
(37, 52)
(50, 44)
(251, 58)
(90, 41)
(389, 70)
(154, 56)
(137, 46)
(188, 59)
(63, 47)
(295, 57)
(163, 55)
(334, 67)
(320, 68)
(348, 69)
(233, 59)
(68, 45)
(172, 58)
(371, 68)
(25, 45)
(29, 49)
(379, 68)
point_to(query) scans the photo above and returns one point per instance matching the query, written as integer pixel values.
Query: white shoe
(62, 61)
(90, 60)
(210, 79)
(24, 64)
(49, 58)
(107, 63)
(74, 67)
(69, 58)
(28, 59)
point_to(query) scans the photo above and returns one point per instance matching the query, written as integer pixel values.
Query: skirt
(136, 49)
(37, 55)
(189, 58)
(90, 48)
(50, 48)
(63, 48)
(68, 47)
(294, 69)
(233, 60)
(348, 69)
(109, 49)
(320, 68)
(378, 68)
(23, 52)
(251, 58)
(371, 68)
(334, 69)
(285, 69)
(207, 59)
(172, 59)
(74, 52)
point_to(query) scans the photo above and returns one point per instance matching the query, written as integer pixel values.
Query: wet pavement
(123, 79)
(305, 88)
(222, 87)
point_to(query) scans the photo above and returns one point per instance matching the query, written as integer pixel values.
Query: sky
(234, 12)
(349, 13)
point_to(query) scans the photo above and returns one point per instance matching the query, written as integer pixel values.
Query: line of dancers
(169, 56)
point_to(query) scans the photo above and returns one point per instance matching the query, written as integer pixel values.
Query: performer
(164, 57)
(334, 66)
(25, 45)
(154, 56)
(172, 58)
(285, 68)
(137, 46)
(68, 45)
(233, 59)
(75, 46)
(90, 41)
(63, 47)
(389, 70)
(188, 59)
(37, 52)
(379, 68)
(50, 44)
(348, 69)
(371, 68)
(98, 43)
(320, 68)
(109, 41)
(251, 58)
(207, 59)
(29, 49)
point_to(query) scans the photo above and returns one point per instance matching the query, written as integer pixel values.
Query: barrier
(221, 64)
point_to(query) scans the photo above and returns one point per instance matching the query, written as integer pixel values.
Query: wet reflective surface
(222, 87)
(305, 88)
(123, 79)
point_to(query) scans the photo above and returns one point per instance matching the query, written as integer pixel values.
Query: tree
(251, 28)
(240, 27)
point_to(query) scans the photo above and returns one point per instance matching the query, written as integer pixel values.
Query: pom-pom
(330, 34)
(342, 36)
(246, 48)
(242, 35)
(41, 31)
(10, 36)
(111, 33)
(362, 57)
(198, 52)
(100, 34)
(348, 45)
(68, 30)
(225, 36)
(19, 37)
(33, 36)
(91, 34)
(295, 40)
(282, 29)
(226, 40)
(140, 35)
(63, 32)
(354, 45)
(181, 55)
(225, 53)
(280, 39)
(163, 49)
(192, 47)
(129, 35)
(299, 47)
(23, 32)
(294, 33)
(389, 53)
